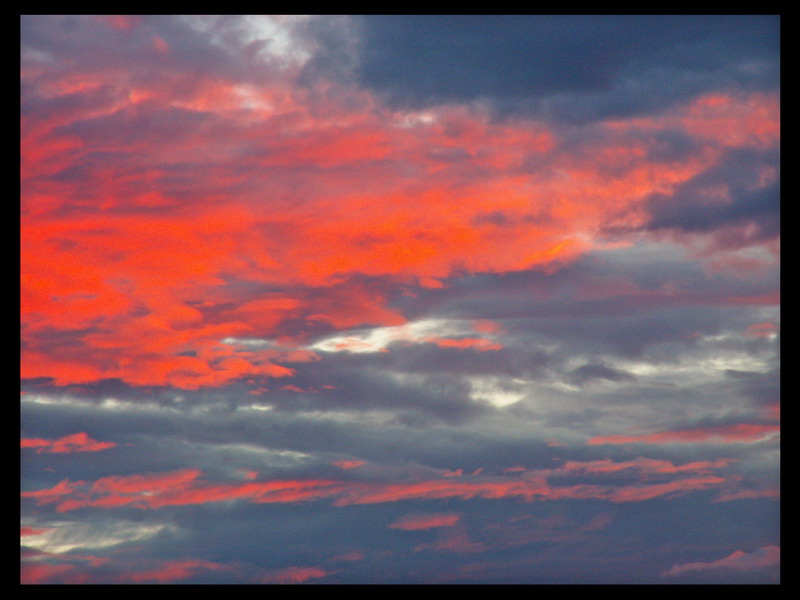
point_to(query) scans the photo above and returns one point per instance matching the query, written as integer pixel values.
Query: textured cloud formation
(180, 488)
(763, 558)
(135, 313)
(77, 442)
(400, 299)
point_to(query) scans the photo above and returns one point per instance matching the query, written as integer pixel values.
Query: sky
(400, 299)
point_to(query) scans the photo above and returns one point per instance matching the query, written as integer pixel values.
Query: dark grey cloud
(591, 372)
(574, 68)
(696, 206)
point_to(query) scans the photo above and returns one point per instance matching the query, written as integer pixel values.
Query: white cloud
(64, 536)
(378, 338)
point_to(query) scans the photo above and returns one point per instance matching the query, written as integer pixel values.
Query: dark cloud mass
(580, 68)
(400, 299)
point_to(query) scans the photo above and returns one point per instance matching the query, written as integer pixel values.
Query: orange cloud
(146, 262)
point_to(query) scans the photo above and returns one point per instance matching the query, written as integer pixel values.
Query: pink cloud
(453, 540)
(645, 465)
(33, 573)
(77, 442)
(763, 558)
(349, 556)
(82, 569)
(122, 22)
(480, 344)
(175, 570)
(746, 495)
(417, 522)
(765, 329)
(186, 487)
(26, 531)
(294, 575)
(740, 433)
(349, 464)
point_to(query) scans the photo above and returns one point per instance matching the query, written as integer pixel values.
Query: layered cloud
(380, 299)
(199, 246)
(185, 487)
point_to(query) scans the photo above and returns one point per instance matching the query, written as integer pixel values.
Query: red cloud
(77, 442)
(434, 196)
(415, 522)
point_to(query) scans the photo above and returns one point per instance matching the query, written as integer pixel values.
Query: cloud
(452, 540)
(294, 575)
(303, 278)
(429, 521)
(762, 558)
(349, 464)
(739, 433)
(548, 65)
(262, 256)
(742, 189)
(184, 487)
(172, 571)
(77, 442)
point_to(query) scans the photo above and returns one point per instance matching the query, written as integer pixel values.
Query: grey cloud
(694, 206)
(591, 372)
(574, 68)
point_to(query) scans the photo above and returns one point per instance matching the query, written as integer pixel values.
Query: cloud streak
(77, 442)
(762, 558)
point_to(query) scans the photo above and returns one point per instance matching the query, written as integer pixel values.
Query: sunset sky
(400, 299)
